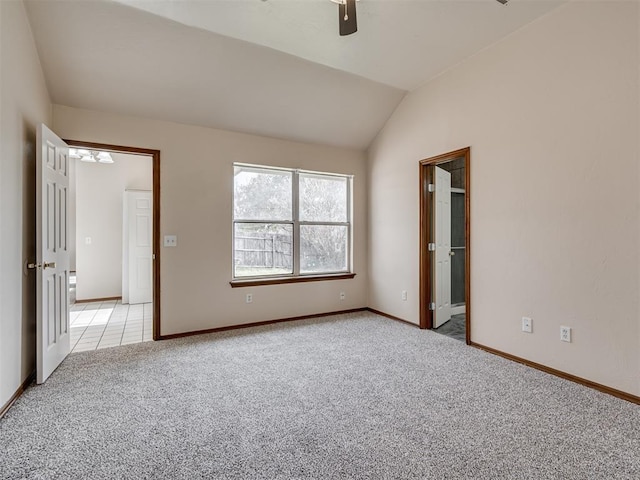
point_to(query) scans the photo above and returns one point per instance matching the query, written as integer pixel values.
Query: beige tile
(132, 334)
(110, 331)
(84, 348)
(92, 334)
(95, 327)
(111, 338)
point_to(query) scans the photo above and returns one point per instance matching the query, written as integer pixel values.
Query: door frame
(426, 212)
(155, 156)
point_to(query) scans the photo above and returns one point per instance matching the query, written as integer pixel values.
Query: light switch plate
(170, 240)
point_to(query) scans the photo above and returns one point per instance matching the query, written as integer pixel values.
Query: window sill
(280, 280)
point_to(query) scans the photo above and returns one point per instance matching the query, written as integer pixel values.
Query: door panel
(138, 242)
(52, 254)
(442, 235)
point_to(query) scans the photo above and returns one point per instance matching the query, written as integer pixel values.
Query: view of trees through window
(272, 222)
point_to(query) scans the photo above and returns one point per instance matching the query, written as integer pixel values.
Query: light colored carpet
(350, 396)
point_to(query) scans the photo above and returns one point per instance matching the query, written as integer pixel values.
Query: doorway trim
(426, 315)
(155, 155)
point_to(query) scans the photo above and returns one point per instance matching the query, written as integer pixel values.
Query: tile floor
(109, 324)
(455, 328)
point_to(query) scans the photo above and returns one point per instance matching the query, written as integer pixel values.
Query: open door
(52, 252)
(442, 234)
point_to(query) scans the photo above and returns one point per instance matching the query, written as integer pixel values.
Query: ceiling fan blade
(347, 17)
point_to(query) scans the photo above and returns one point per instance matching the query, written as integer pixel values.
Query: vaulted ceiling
(275, 67)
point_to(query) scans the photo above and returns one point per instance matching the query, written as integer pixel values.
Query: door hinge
(432, 306)
(431, 247)
(431, 188)
(153, 256)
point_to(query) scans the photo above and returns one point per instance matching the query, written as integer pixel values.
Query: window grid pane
(263, 249)
(323, 198)
(262, 194)
(323, 248)
(290, 223)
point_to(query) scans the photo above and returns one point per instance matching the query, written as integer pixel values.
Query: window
(290, 223)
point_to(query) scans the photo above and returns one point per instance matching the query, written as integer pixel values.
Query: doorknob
(36, 266)
(451, 253)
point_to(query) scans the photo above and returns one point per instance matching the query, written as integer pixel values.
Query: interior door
(442, 235)
(139, 231)
(52, 252)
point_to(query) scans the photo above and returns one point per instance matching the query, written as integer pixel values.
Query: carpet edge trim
(559, 373)
(258, 324)
(19, 391)
(392, 317)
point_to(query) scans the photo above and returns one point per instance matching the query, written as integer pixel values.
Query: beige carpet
(350, 396)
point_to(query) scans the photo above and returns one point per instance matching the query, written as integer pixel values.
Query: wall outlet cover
(565, 334)
(170, 240)
(527, 325)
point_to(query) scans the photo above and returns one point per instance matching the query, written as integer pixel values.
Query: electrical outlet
(404, 295)
(565, 334)
(527, 325)
(170, 240)
(249, 297)
(342, 296)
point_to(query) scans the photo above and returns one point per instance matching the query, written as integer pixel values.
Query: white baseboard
(458, 309)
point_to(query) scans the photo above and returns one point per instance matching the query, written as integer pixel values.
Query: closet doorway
(444, 244)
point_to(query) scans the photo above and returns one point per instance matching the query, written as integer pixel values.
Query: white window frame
(296, 223)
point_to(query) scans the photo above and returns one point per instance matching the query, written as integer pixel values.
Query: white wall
(551, 115)
(24, 103)
(196, 205)
(99, 197)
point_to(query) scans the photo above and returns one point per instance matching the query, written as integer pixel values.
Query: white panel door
(140, 241)
(442, 225)
(52, 252)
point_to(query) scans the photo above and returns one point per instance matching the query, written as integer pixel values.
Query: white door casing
(442, 225)
(52, 252)
(139, 237)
